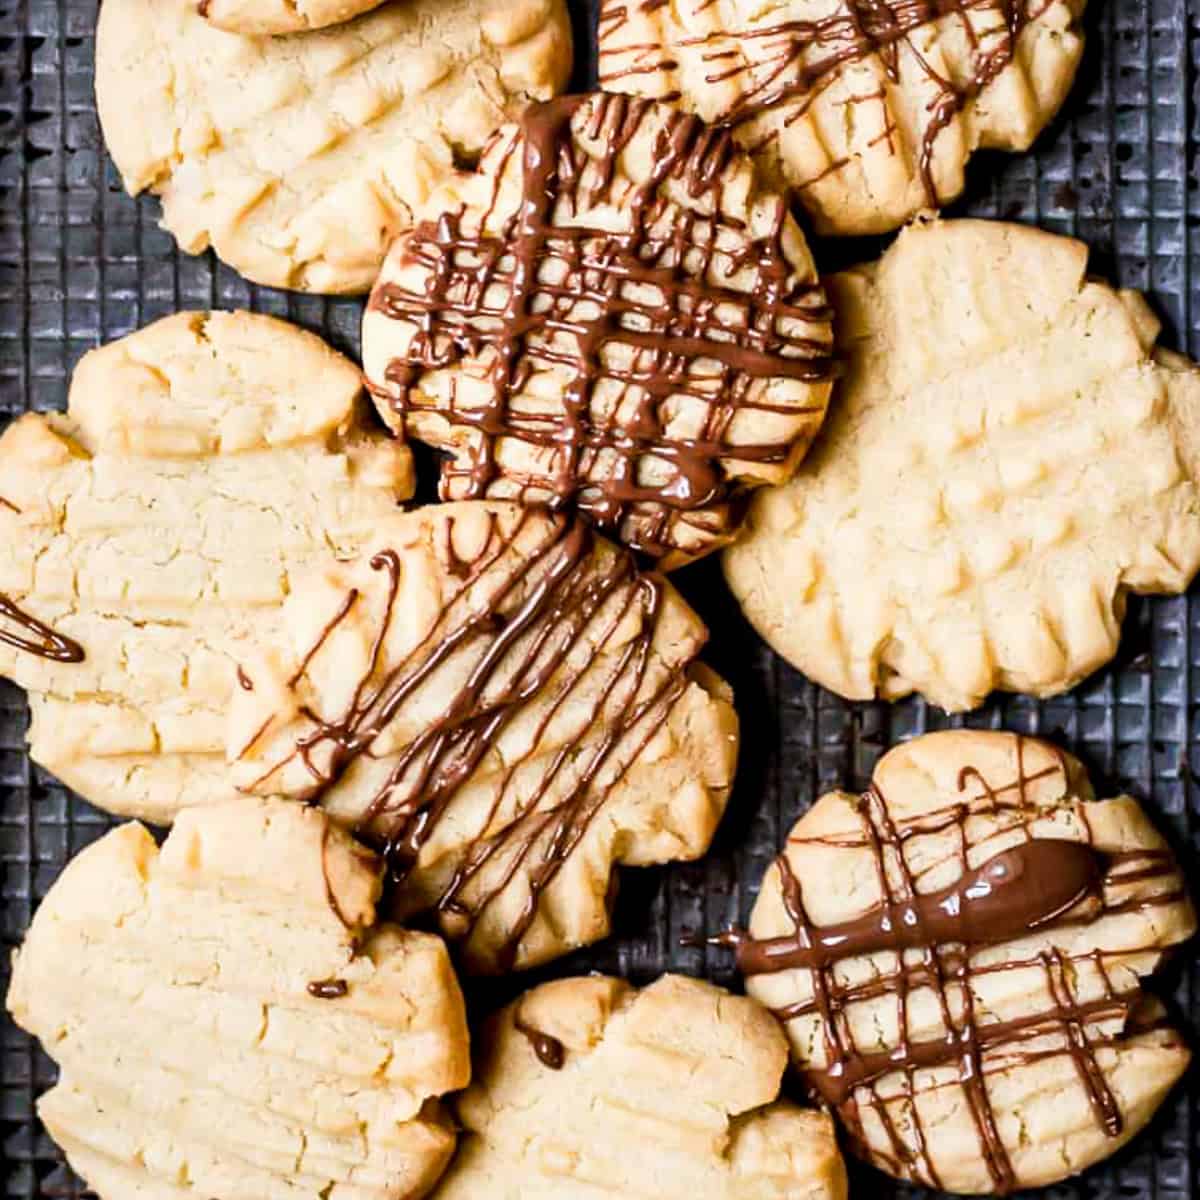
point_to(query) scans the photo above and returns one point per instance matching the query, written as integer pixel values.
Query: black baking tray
(81, 263)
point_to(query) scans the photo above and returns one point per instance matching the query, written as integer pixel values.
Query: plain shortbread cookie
(509, 707)
(228, 1021)
(1008, 456)
(298, 158)
(670, 1093)
(957, 956)
(613, 314)
(870, 111)
(202, 463)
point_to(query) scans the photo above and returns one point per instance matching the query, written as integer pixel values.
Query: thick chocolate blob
(550, 1051)
(1002, 899)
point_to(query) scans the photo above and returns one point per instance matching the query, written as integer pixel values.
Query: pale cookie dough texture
(228, 1021)
(203, 462)
(281, 16)
(1009, 455)
(1008, 1042)
(670, 1092)
(298, 158)
(508, 707)
(614, 313)
(869, 111)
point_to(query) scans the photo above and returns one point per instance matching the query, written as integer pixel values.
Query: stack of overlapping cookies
(393, 744)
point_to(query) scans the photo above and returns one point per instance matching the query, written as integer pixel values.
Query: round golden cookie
(957, 957)
(281, 16)
(1009, 455)
(228, 1020)
(202, 463)
(614, 313)
(870, 111)
(299, 158)
(508, 707)
(589, 1087)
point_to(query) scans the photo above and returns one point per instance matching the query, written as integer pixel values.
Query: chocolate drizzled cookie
(957, 956)
(869, 108)
(507, 707)
(612, 315)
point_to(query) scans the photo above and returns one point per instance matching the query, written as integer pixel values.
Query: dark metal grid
(81, 263)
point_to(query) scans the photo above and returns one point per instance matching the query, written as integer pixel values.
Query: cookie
(229, 1021)
(507, 707)
(869, 111)
(203, 463)
(589, 1087)
(613, 314)
(1008, 457)
(957, 956)
(299, 158)
(281, 16)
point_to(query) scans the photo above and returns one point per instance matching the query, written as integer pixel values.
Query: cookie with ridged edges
(958, 957)
(870, 111)
(202, 464)
(577, 1072)
(281, 16)
(298, 158)
(1010, 455)
(229, 1020)
(508, 707)
(614, 314)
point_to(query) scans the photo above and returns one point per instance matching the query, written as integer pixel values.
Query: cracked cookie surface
(869, 110)
(958, 955)
(227, 1030)
(298, 158)
(202, 462)
(578, 1073)
(503, 702)
(614, 313)
(1008, 456)
(281, 16)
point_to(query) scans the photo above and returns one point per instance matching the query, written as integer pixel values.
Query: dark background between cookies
(82, 263)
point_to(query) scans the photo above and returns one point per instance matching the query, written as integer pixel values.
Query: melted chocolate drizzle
(39, 638)
(787, 65)
(549, 1050)
(1037, 884)
(539, 606)
(572, 293)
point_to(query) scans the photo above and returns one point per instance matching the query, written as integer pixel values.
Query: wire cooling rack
(81, 263)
